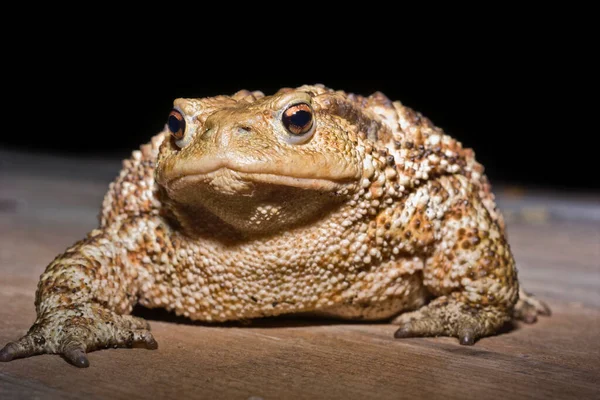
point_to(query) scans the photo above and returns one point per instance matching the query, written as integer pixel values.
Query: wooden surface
(48, 203)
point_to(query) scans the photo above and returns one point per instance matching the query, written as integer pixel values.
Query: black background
(514, 105)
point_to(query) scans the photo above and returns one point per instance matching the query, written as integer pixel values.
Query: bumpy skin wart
(373, 214)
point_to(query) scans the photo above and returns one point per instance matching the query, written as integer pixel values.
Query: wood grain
(47, 203)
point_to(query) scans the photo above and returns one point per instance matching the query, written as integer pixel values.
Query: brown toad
(308, 201)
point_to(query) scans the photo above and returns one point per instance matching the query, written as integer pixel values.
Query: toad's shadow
(283, 321)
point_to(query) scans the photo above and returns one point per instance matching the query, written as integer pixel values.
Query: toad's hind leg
(471, 275)
(529, 307)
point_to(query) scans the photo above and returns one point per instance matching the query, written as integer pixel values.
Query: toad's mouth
(232, 181)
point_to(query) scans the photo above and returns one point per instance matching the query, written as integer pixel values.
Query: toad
(309, 201)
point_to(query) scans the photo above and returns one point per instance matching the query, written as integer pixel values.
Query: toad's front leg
(471, 274)
(84, 295)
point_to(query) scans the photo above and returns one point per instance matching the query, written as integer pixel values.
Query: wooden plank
(556, 358)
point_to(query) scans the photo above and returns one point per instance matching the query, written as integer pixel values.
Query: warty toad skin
(309, 201)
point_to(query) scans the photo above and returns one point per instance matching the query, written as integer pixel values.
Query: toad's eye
(298, 119)
(176, 124)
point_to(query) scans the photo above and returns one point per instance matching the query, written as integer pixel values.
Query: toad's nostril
(204, 132)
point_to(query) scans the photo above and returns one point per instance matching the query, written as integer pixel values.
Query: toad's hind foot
(528, 308)
(74, 331)
(445, 316)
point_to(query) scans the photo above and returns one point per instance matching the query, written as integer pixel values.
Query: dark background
(514, 107)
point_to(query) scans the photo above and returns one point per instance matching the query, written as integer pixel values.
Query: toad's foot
(446, 316)
(528, 308)
(74, 330)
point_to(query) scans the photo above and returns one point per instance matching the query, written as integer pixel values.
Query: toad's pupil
(300, 118)
(174, 124)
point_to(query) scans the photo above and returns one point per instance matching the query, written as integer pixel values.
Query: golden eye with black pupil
(298, 119)
(176, 124)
